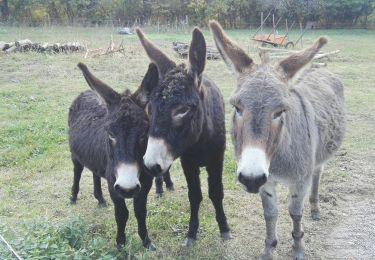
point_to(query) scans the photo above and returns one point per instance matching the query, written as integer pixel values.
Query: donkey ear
(149, 82)
(295, 62)
(197, 53)
(155, 54)
(106, 92)
(235, 57)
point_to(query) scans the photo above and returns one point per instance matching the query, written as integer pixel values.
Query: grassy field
(36, 91)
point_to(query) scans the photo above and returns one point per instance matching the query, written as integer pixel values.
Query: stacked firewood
(183, 51)
(28, 46)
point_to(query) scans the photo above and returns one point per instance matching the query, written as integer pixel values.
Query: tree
(197, 12)
(4, 10)
(217, 9)
(230, 13)
(300, 10)
(345, 12)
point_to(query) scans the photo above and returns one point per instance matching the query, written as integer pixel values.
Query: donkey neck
(295, 152)
(213, 124)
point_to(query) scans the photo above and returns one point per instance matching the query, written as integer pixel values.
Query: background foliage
(230, 13)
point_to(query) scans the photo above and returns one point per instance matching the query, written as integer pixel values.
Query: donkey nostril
(264, 177)
(116, 186)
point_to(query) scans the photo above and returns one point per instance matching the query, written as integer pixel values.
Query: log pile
(183, 51)
(319, 60)
(45, 47)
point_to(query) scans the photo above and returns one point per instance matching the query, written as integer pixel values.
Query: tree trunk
(69, 12)
(4, 9)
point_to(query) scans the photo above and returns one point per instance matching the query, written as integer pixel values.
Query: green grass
(36, 91)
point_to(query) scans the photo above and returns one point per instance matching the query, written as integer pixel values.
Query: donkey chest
(203, 152)
(291, 168)
(199, 154)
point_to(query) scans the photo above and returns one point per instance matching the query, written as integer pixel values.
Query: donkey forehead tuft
(262, 86)
(265, 76)
(128, 110)
(180, 71)
(174, 83)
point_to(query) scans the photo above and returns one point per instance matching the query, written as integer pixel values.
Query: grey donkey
(286, 125)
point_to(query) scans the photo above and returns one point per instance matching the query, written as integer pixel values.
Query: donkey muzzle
(127, 193)
(252, 184)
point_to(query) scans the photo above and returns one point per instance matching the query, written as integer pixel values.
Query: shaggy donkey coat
(107, 134)
(186, 112)
(285, 127)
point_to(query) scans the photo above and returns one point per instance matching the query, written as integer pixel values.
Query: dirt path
(354, 236)
(347, 229)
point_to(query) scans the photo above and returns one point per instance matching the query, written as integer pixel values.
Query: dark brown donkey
(107, 134)
(186, 113)
(285, 127)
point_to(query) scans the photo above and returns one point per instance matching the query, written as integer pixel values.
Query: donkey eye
(238, 110)
(112, 138)
(181, 111)
(278, 114)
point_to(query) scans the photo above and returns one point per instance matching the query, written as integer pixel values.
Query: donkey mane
(129, 110)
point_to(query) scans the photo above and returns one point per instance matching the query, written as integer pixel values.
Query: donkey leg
(191, 172)
(121, 216)
(159, 186)
(98, 190)
(77, 169)
(297, 195)
(216, 194)
(168, 181)
(269, 202)
(314, 196)
(140, 210)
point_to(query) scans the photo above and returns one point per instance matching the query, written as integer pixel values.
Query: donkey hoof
(298, 255)
(102, 204)
(188, 242)
(226, 235)
(158, 195)
(151, 247)
(119, 247)
(266, 256)
(315, 215)
(170, 188)
(73, 201)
